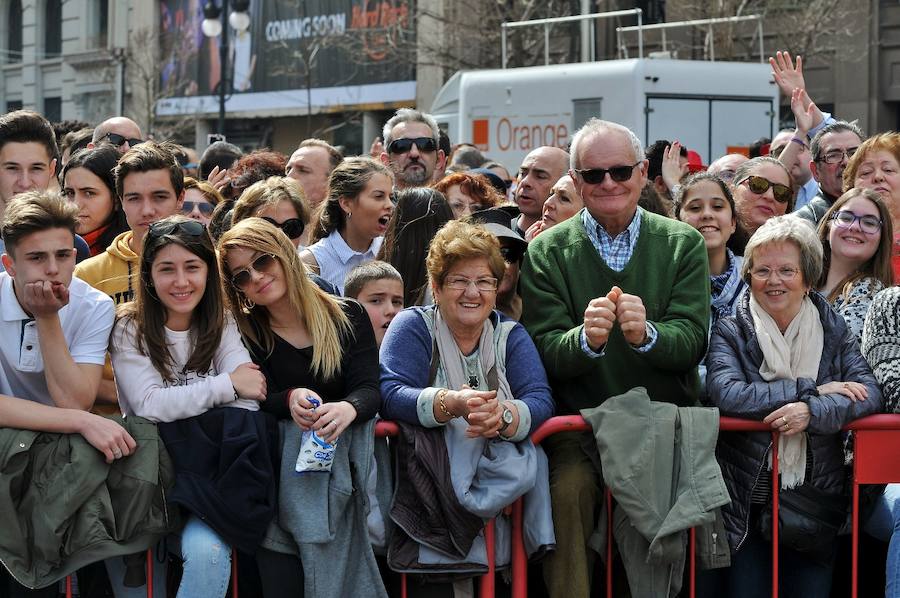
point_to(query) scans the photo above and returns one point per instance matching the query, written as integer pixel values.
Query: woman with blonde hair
(876, 165)
(320, 361)
(856, 234)
(351, 223)
(279, 201)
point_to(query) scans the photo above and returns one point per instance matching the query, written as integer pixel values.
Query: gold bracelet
(442, 405)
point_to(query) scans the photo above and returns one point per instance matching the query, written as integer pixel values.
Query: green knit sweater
(669, 271)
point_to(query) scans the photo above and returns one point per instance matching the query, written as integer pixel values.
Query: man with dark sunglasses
(119, 131)
(615, 297)
(411, 148)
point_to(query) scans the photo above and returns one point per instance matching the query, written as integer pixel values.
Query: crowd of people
(197, 349)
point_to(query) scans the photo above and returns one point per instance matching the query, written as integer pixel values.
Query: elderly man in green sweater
(615, 297)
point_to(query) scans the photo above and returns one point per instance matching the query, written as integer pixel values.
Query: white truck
(710, 107)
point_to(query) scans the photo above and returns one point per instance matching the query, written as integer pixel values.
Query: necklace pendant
(473, 381)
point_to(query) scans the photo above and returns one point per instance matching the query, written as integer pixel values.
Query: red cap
(695, 162)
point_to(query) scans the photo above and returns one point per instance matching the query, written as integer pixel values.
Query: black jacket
(735, 386)
(225, 465)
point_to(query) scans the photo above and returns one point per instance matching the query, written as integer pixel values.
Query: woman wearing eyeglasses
(876, 166)
(280, 202)
(466, 373)
(177, 360)
(352, 221)
(856, 234)
(788, 359)
(88, 180)
(468, 193)
(200, 199)
(309, 345)
(762, 190)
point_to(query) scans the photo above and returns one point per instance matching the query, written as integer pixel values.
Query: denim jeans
(883, 524)
(750, 574)
(115, 568)
(207, 561)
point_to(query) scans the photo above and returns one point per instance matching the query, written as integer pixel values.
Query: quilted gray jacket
(735, 386)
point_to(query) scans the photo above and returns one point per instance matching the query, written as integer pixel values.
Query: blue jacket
(735, 386)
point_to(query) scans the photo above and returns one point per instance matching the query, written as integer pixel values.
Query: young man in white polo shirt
(54, 328)
(54, 331)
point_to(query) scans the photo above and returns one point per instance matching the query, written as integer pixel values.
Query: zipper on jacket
(750, 502)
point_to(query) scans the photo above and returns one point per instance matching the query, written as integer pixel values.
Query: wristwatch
(506, 418)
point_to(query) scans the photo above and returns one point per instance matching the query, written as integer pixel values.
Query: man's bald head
(725, 166)
(539, 171)
(121, 126)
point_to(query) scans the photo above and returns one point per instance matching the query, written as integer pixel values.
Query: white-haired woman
(788, 359)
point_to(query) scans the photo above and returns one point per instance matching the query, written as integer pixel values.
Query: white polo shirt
(86, 324)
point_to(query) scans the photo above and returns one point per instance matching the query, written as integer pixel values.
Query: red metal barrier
(575, 423)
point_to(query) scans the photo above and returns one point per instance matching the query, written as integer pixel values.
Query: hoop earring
(246, 303)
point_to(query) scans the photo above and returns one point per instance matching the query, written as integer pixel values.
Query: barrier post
(519, 562)
(150, 573)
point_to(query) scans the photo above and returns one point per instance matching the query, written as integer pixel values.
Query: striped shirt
(336, 258)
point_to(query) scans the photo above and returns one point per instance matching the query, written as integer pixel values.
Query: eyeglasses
(836, 155)
(512, 253)
(292, 227)
(759, 185)
(262, 264)
(776, 151)
(193, 228)
(868, 224)
(402, 146)
(461, 283)
(784, 273)
(595, 176)
(205, 207)
(118, 140)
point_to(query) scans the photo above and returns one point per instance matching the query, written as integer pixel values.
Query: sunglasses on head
(194, 228)
(595, 176)
(759, 185)
(263, 263)
(292, 227)
(512, 253)
(402, 146)
(205, 207)
(118, 140)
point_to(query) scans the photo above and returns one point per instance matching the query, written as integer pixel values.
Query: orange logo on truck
(480, 134)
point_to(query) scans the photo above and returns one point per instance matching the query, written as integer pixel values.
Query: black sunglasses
(512, 253)
(194, 228)
(292, 227)
(759, 185)
(205, 207)
(117, 140)
(595, 176)
(402, 146)
(262, 263)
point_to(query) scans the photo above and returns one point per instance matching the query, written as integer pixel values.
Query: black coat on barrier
(735, 386)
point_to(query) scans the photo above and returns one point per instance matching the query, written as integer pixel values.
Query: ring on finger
(117, 454)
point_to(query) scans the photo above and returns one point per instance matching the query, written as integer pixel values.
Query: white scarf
(452, 359)
(792, 355)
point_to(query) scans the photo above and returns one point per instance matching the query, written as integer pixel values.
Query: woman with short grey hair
(788, 359)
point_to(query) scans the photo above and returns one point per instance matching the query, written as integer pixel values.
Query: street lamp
(214, 24)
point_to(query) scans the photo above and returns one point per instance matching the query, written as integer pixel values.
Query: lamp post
(215, 24)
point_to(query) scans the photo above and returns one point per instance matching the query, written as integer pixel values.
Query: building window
(99, 23)
(14, 39)
(53, 109)
(52, 28)
(13, 105)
